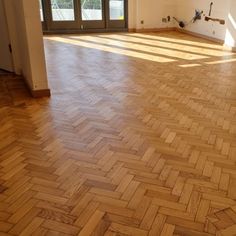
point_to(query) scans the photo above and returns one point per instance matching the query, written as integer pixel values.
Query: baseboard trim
(150, 30)
(37, 93)
(233, 49)
(131, 30)
(85, 31)
(40, 93)
(200, 35)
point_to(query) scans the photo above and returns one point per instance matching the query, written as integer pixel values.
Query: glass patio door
(92, 14)
(42, 17)
(117, 13)
(63, 14)
(83, 15)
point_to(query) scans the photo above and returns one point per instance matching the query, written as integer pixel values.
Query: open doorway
(84, 15)
(5, 46)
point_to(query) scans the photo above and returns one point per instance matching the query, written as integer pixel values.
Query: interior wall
(185, 10)
(27, 41)
(34, 36)
(132, 14)
(230, 38)
(151, 13)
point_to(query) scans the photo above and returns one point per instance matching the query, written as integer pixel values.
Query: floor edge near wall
(40, 93)
(149, 30)
(215, 40)
(212, 39)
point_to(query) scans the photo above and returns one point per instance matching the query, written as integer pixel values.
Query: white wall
(230, 38)
(185, 11)
(27, 41)
(151, 12)
(132, 12)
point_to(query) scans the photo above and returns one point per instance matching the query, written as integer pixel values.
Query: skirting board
(182, 31)
(40, 93)
(149, 30)
(200, 35)
(37, 93)
(233, 49)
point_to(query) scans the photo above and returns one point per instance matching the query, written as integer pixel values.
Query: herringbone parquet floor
(138, 138)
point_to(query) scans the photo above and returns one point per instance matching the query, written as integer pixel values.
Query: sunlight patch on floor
(221, 61)
(178, 40)
(170, 45)
(146, 49)
(105, 48)
(189, 65)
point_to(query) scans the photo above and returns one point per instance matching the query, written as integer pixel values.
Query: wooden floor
(138, 138)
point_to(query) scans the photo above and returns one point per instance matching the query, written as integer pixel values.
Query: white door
(5, 54)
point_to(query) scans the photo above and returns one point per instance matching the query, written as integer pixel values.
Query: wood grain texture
(138, 138)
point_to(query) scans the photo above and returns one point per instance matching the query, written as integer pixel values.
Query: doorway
(84, 15)
(5, 46)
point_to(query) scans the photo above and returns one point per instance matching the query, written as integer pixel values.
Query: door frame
(45, 16)
(93, 24)
(54, 25)
(114, 24)
(5, 48)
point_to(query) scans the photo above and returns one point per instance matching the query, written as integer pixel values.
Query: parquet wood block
(138, 138)
(224, 220)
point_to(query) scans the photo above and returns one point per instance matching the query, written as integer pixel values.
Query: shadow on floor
(13, 90)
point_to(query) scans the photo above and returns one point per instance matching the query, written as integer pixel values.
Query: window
(63, 10)
(41, 10)
(116, 8)
(91, 9)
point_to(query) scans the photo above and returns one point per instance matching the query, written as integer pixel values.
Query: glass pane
(116, 9)
(41, 10)
(63, 10)
(91, 9)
